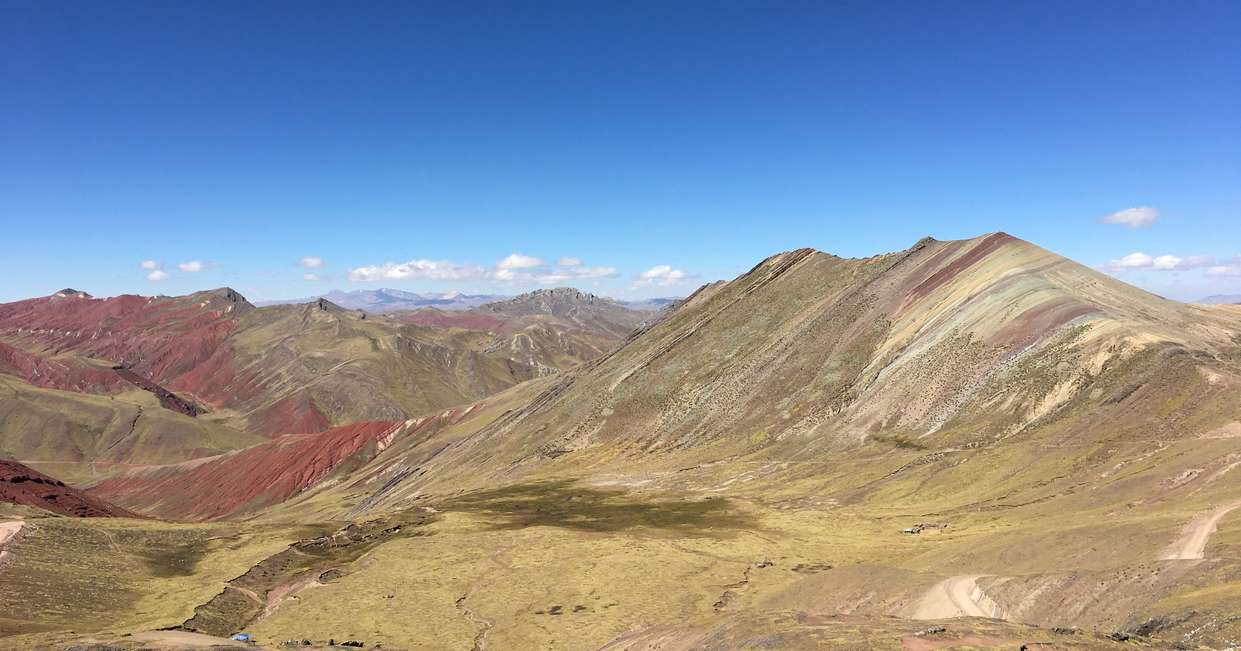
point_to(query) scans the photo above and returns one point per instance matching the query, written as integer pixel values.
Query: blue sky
(473, 146)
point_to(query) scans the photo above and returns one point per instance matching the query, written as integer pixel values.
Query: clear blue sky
(683, 139)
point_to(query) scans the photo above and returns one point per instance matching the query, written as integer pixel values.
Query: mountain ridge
(962, 429)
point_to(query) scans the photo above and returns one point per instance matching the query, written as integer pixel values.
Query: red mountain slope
(164, 343)
(263, 475)
(22, 485)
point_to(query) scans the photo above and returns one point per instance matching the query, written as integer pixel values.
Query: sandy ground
(1193, 540)
(958, 596)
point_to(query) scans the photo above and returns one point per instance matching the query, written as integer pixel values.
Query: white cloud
(157, 275)
(518, 261)
(417, 270)
(1139, 217)
(314, 278)
(311, 262)
(149, 265)
(1135, 260)
(193, 266)
(1140, 261)
(662, 275)
(570, 262)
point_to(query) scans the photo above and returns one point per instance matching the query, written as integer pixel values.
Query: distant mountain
(651, 304)
(1220, 299)
(380, 301)
(573, 307)
(553, 329)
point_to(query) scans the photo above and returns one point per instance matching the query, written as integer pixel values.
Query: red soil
(22, 485)
(57, 374)
(294, 414)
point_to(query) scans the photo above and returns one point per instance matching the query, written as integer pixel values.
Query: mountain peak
(69, 292)
(227, 293)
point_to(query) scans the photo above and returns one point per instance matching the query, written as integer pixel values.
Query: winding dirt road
(1193, 541)
(7, 531)
(958, 596)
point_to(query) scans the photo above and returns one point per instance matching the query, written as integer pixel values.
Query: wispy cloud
(150, 264)
(311, 262)
(1139, 217)
(314, 278)
(1138, 261)
(570, 262)
(518, 261)
(157, 275)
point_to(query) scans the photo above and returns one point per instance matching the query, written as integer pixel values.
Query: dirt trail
(181, 640)
(1194, 537)
(7, 531)
(281, 593)
(482, 624)
(10, 529)
(958, 596)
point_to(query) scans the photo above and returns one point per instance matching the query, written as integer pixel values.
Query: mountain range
(1221, 299)
(380, 301)
(964, 444)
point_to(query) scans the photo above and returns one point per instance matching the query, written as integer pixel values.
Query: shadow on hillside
(561, 503)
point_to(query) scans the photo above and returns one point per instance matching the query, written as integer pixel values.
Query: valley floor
(562, 564)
